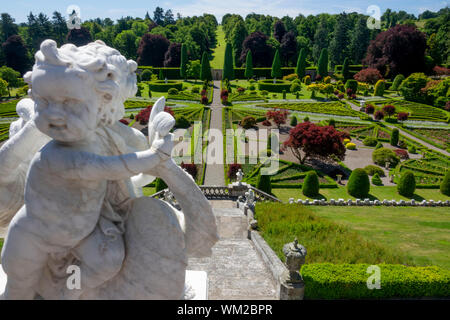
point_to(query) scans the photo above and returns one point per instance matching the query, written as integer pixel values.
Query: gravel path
(214, 175)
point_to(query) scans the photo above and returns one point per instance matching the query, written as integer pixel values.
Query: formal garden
(356, 122)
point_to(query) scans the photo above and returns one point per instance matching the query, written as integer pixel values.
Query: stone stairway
(235, 269)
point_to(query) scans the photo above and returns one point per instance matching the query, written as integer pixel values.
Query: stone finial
(292, 286)
(239, 176)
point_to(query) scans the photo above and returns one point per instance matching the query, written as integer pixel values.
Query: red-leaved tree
(144, 114)
(369, 109)
(232, 170)
(402, 116)
(370, 75)
(389, 109)
(191, 168)
(379, 115)
(278, 116)
(308, 140)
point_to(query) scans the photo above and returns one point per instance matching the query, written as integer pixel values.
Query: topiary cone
(358, 184)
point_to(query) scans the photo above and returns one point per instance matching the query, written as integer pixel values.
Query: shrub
(232, 170)
(351, 84)
(389, 109)
(394, 137)
(372, 170)
(132, 116)
(306, 119)
(402, 154)
(307, 80)
(279, 86)
(146, 75)
(248, 122)
(376, 180)
(172, 91)
(332, 123)
(350, 146)
(195, 89)
(370, 75)
(397, 82)
(445, 185)
(290, 77)
(266, 123)
(383, 155)
(191, 168)
(160, 184)
(181, 122)
(411, 87)
(161, 86)
(370, 109)
(379, 115)
(310, 186)
(398, 281)
(412, 149)
(264, 93)
(402, 144)
(204, 100)
(402, 116)
(295, 87)
(407, 184)
(293, 121)
(358, 184)
(379, 145)
(252, 87)
(327, 79)
(370, 141)
(346, 140)
(264, 183)
(379, 88)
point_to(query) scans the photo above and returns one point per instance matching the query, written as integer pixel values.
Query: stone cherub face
(77, 89)
(66, 108)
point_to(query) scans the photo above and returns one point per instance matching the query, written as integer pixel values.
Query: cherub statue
(80, 206)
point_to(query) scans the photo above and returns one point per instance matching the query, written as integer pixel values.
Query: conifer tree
(276, 66)
(228, 68)
(301, 64)
(249, 65)
(205, 71)
(184, 60)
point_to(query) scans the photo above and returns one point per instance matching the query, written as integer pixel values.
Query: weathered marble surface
(81, 203)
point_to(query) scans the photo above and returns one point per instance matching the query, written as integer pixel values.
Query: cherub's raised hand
(164, 145)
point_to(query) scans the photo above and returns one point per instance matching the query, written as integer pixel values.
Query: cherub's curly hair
(114, 77)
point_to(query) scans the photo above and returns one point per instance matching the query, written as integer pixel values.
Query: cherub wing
(158, 107)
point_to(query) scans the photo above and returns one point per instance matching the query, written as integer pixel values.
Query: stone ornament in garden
(79, 215)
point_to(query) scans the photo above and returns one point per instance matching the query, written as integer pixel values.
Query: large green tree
(276, 66)
(249, 65)
(228, 67)
(127, 43)
(184, 60)
(359, 40)
(205, 72)
(345, 69)
(339, 43)
(323, 63)
(301, 64)
(238, 35)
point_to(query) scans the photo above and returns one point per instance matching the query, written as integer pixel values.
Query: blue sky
(115, 9)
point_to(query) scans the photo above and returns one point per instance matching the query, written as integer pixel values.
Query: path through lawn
(219, 51)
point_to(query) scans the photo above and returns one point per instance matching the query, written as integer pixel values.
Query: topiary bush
(279, 86)
(181, 122)
(351, 84)
(370, 141)
(379, 145)
(310, 186)
(264, 183)
(293, 121)
(358, 184)
(295, 87)
(172, 91)
(162, 86)
(412, 149)
(350, 146)
(376, 180)
(372, 170)
(407, 184)
(307, 80)
(394, 137)
(397, 82)
(383, 155)
(379, 88)
(248, 122)
(445, 185)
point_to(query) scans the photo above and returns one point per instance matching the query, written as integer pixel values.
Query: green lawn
(219, 51)
(324, 240)
(422, 233)
(376, 192)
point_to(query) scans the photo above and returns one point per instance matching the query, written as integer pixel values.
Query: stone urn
(292, 286)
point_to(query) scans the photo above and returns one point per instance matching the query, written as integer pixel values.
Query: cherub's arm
(93, 167)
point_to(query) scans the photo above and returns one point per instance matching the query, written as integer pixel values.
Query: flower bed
(418, 111)
(334, 108)
(8, 109)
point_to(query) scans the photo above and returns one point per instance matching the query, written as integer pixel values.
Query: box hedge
(349, 281)
(162, 86)
(279, 86)
(170, 73)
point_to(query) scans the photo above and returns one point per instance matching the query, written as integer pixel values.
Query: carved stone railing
(230, 192)
(262, 196)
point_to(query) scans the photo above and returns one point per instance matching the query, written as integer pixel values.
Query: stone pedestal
(292, 291)
(238, 189)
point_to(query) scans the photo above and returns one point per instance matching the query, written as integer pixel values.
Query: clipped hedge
(239, 73)
(445, 185)
(161, 86)
(170, 73)
(279, 86)
(358, 184)
(349, 281)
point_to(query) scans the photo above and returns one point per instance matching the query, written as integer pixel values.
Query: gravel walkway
(214, 175)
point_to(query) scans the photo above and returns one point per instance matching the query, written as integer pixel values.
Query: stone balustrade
(368, 202)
